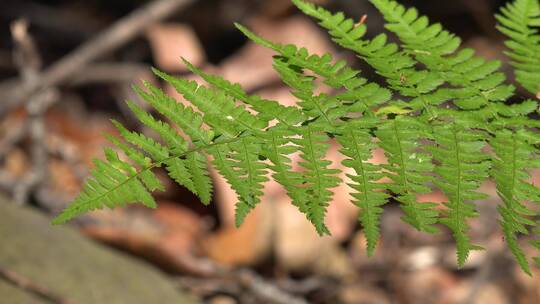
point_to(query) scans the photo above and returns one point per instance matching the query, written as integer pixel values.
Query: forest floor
(66, 68)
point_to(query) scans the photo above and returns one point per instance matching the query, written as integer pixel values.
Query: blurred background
(66, 68)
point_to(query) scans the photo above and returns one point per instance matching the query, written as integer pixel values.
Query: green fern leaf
(147, 177)
(196, 164)
(514, 157)
(520, 21)
(220, 110)
(451, 105)
(357, 145)
(476, 82)
(185, 117)
(397, 67)
(318, 178)
(266, 109)
(408, 167)
(462, 168)
(359, 95)
(239, 164)
(109, 186)
(277, 148)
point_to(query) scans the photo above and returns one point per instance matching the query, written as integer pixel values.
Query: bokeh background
(66, 68)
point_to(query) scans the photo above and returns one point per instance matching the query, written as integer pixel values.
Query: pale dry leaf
(168, 235)
(299, 247)
(246, 245)
(17, 163)
(172, 41)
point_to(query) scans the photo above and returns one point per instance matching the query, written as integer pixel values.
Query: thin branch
(109, 72)
(218, 279)
(265, 290)
(27, 285)
(117, 35)
(28, 62)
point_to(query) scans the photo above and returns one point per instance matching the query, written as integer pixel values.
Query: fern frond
(184, 117)
(395, 65)
(476, 82)
(277, 148)
(220, 110)
(238, 163)
(318, 178)
(147, 177)
(452, 104)
(197, 166)
(462, 168)
(266, 109)
(246, 154)
(359, 95)
(357, 145)
(107, 177)
(321, 108)
(176, 144)
(113, 183)
(408, 167)
(520, 21)
(241, 168)
(514, 157)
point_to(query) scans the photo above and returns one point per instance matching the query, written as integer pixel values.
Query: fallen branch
(218, 279)
(265, 290)
(110, 72)
(27, 285)
(17, 93)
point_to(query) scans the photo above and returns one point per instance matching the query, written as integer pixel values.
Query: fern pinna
(443, 121)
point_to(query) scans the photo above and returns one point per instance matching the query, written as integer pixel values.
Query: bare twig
(28, 62)
(67, 151)
(26, 284)
(303, 286)
(117, 35)
(219, 279)
(25, 55)
(110, 72)
(208, 286)
(265, 290)
(39, 155)
(5, 60)
(13, 135)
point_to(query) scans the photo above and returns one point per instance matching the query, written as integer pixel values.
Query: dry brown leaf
(487, 292)
(299, 247)
(353, 294)
(430, 285)
(172, 41)
(168, 235)
(246, 245)
(62, 178)
(87, 139)
(17, 163)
